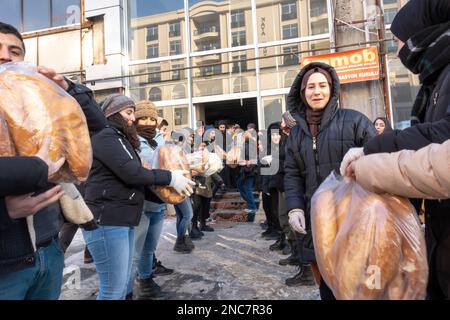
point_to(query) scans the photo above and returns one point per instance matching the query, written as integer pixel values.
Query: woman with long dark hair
(115, 193)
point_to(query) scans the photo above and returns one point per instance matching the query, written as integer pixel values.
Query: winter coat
(437, 217)
(16, 251)
(414, 174)
(207, 185)
(146, 153)
(276, 180)
(116, 187)
(309, 162)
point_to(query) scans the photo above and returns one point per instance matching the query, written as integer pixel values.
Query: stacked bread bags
(367, 246)
(33, 109)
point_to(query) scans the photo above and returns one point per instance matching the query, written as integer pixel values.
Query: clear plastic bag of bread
(169, 157)
(233, 156)
(198, 161)
(220, 152)
(35, 108)
(368, 246)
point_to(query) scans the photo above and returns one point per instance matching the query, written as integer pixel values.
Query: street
(233, 262)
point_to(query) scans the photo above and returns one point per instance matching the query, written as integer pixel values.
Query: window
(319, 27)
(290, 59)
(237, 19)
(289, 11)
(210, 70)
(10, 13)
(154, 94)
(178, 92)
(160, 113)
(205, 46)
(318, 8)
(290, 31)
(152, 33)
(155, 75)
(389, 15)
(238, 39)
(32, 15)
(180, 116)
(174, 29)
(240, 85)
(391, 46)
(36, 15)
(175, 47)
(239, 66)
(152, 51)
(177, 74)
(389, 1)
(289, 78)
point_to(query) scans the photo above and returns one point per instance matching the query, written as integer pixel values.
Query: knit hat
(115, 103)
(146, 108)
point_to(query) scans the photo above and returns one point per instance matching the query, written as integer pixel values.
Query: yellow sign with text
(351, 66)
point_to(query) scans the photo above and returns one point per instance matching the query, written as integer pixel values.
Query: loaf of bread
(35, 108)
(233, 157)
(6, 146)
(198, 161)
(368, 246)
(170, 157)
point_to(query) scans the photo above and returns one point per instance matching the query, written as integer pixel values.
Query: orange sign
(351, 66)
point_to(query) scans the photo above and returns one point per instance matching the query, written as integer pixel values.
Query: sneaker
(304, 277)
(148, 289)
(160, 270)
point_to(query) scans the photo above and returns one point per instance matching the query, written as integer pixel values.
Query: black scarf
(117, 121)
(314, 118)
(426, 53)
(149, 133)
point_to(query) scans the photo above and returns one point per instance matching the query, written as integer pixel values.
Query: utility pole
(358, 21)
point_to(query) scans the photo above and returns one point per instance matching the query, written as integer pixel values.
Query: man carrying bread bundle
(422, 30)
(315, 147)
(26, 273)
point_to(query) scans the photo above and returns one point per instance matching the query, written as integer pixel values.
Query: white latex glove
(297, 220)
(180, 183)
(267, 160)
(352, 154)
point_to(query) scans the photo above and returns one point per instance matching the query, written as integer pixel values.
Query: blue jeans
(112, 251)
(43, 281)
(245, 186)
(147, 236)
(184, 215)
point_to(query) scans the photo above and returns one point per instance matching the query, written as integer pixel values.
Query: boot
(304, 277)
(180, 245)
(273, 235)
(149, 290)
(160, 270)
(251, 216)
(195, 233)
(188, 242)
(279, 244)
(206, 228)
(293, 259)
(286, 250)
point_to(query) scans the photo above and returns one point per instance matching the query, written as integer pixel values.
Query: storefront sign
(351, 66)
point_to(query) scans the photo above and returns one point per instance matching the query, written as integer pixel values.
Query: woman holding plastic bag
(115, 193)
(316, 147)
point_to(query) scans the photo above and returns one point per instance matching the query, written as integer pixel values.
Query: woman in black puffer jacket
(315, 148)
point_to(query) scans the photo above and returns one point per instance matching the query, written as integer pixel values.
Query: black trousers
(201, 207)
(271, 206)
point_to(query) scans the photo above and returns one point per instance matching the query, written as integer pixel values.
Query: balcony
(211, 58)
(206, 33)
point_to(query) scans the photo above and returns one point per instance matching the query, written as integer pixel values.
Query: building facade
(197, 60)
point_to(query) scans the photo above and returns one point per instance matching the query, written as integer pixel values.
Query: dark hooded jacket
(275, 180)
(340, 129)
(425, 27)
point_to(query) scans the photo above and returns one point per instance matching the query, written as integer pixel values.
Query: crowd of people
(284, 164)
